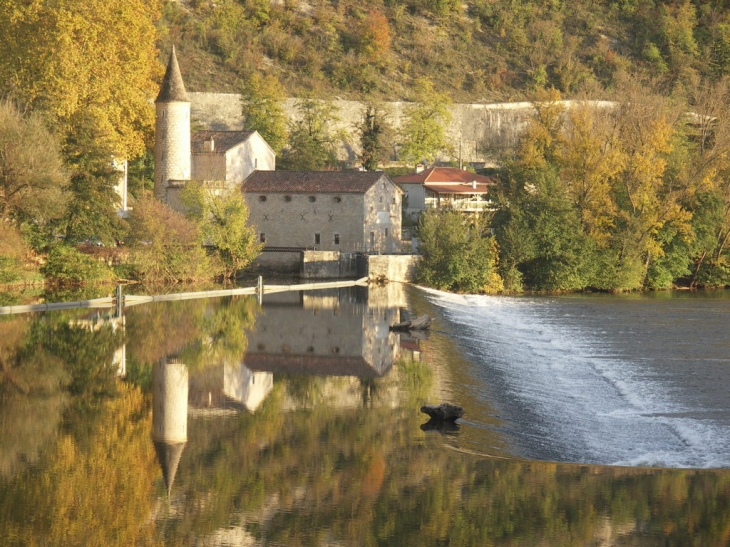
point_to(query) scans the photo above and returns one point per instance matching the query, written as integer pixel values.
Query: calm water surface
(590, 421)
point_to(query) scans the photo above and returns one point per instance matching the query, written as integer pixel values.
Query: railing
(466, 204)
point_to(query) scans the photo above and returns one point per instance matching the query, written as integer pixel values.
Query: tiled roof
(172, 88)
(222, 140)
(436, 175)
(312, 182)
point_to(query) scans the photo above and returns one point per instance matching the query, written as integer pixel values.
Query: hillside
(478, 51)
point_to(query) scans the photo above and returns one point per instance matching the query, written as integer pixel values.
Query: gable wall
(382, 216)
(243, 159)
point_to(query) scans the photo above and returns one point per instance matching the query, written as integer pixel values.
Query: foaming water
(602, 379)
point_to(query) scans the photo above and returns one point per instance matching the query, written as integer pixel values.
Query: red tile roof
(437, 175)
(222, 140)
(312, 182)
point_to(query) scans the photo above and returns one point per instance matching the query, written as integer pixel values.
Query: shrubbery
(68, 264)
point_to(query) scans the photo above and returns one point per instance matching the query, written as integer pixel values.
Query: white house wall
(244, 158)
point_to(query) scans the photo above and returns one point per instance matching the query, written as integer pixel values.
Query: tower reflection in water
(328, 333)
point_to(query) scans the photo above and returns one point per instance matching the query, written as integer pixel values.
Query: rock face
(444, 412)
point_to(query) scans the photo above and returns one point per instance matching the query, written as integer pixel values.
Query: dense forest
(635, 197)
(478, 51)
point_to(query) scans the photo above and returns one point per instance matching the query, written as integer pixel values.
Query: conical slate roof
(172, 88)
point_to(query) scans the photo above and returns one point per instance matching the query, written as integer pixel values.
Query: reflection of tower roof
(168, 454)
(316, 365)
(172, 88)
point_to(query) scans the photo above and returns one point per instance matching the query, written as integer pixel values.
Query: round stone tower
(172, 131)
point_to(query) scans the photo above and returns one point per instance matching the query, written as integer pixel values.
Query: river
(590, 420)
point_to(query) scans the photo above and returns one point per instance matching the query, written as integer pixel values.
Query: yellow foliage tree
(98, 58)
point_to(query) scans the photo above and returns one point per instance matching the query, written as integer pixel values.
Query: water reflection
(200, 445)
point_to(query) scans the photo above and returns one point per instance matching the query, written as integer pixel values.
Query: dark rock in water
(445, 428)
(444, 412)
(421, 322)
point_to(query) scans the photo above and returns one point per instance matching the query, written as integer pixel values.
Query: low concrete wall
(337, 265)
(328, 265)
(278, 262)
(393, 267)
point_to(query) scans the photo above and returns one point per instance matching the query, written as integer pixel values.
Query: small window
(262, 237)
(387, 232)
(255, 163)
(261, 347)
(262, 198)
(287, 198)
(317, 239)
(337, 199)
(337, 239)
(312, 199)
(310, 349)
(372, 239)
(380, 199)
(393, 200)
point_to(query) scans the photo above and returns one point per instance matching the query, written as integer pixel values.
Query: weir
(120, 300)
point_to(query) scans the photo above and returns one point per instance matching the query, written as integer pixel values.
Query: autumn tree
(95, 57)
(423, 134)
(261, 99)
(165, 246)
(374, 36)
(33, 181)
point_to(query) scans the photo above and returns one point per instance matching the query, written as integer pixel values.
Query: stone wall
(479, 133)
(328, 265)
(392, 267)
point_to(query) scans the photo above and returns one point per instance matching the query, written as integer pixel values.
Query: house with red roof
(445, 187)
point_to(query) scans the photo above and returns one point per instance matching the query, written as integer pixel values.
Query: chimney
(419, 168)
(474, 184)
(209, 145)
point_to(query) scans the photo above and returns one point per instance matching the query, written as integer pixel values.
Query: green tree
(423, 134)
(374, 131)
(92, 210)
(223, 222)
(312, 139)
(261, 98)
(458, 253)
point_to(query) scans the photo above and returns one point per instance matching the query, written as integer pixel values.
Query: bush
(68, 264)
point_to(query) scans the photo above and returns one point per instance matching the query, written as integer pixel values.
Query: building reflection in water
(169, 414)
(342, 332)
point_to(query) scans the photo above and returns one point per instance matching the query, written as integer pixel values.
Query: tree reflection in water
(305, 459)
